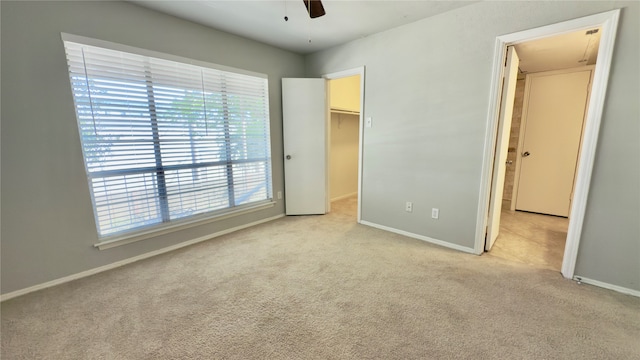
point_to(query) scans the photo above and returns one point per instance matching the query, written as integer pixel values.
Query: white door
(502, 145)
(553, 119)
(304, 112)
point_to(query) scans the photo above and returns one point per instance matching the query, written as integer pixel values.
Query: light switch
(368, 121)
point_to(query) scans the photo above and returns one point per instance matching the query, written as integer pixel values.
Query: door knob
(288, 157)
(525, 154)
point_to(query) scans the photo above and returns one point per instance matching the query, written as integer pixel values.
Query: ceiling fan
(314, 8)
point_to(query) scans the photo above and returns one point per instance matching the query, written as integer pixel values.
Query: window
(164, 140)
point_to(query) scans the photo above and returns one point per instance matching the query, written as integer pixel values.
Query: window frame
(167, 225)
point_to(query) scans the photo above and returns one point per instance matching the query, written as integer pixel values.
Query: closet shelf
(341, 111)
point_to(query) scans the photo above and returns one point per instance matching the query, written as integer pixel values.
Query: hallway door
(555, 105)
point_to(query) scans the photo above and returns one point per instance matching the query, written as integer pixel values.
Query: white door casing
(304, 117)
(552, 122)
(502, 145)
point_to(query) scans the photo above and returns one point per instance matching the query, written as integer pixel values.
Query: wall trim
(420, 237)
(609, 23)
(130, 260)
(608, 286)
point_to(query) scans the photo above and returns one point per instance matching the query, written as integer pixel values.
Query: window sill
(108, 243)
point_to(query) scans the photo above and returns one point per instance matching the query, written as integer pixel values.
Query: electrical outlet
(435, 213)
(279, 195)
(408, 206)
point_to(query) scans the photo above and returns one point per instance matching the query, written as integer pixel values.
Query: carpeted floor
(321, 287)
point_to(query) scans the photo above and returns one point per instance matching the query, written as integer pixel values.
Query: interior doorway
(545, 137)
(549, 107)
(607, 22)
(344, 140)
(344, 125)
(546, 132)
(306, 122)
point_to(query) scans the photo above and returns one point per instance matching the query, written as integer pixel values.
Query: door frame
(337, 75)
(608, 21)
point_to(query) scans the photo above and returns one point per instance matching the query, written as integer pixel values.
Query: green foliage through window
(164, 140)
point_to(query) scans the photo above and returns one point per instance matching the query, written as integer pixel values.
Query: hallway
(533, 239)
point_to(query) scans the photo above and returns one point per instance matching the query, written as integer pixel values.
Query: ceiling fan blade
(314, 8)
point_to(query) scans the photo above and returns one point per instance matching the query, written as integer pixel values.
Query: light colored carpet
(321, 287)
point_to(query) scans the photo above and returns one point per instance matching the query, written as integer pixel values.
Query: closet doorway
(344, 141)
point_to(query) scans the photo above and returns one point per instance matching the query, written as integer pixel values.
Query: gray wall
(48, 229)
(427, 91)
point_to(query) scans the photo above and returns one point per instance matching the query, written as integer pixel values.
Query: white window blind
(164, 140)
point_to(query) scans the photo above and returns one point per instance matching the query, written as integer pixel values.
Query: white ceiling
(263, 20)
(559, 52)
(347, 20)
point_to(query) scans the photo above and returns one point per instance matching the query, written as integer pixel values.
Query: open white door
(304, 113)
(502, 145)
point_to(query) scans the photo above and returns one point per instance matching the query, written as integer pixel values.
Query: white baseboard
(420, 237)
(130, 260)
(344, 196)
(605, 285)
